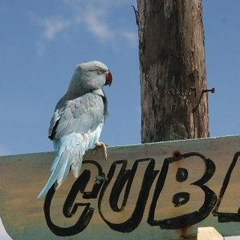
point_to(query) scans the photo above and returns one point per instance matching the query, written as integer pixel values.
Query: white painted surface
(3, 234)
(208, 233)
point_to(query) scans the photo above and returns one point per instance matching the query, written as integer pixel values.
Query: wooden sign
(153, 191)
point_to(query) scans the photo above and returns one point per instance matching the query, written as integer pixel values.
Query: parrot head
(90, 76)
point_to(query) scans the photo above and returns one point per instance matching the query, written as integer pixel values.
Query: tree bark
(173, 70)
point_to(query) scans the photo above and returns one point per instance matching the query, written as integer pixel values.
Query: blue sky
(41, 42)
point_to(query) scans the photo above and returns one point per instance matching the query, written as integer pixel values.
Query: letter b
(181, 197)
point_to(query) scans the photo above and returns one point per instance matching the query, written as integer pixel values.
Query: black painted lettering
(227, 193)
(169, 191)
(71, 208)
(125, 193)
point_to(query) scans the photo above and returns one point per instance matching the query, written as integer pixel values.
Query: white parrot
(78, 120)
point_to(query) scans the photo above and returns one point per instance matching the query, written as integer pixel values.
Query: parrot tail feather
(76, 169)
(69, 157)
(61, 169)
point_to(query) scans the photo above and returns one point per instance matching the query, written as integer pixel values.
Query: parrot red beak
(108, 79)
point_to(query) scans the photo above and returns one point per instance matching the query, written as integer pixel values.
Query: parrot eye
(100, 71)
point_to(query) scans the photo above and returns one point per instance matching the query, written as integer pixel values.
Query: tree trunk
(173, 70)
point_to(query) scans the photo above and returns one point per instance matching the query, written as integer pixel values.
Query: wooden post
(173, 71)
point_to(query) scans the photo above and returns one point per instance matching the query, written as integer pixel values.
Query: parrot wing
(79, 115)
(75, 127)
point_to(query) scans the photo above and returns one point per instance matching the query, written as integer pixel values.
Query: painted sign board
(152, 191)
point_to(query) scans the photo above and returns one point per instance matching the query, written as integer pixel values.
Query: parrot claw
(103, 146)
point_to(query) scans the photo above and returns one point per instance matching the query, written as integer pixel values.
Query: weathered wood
(153, 191)
(173, 70)
(208, 233)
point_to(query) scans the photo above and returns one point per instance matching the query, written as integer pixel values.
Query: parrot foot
(103, 146)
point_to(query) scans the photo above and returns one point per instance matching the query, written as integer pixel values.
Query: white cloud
(51, 26)
(94, 16)
(95, 22)
(54, 26)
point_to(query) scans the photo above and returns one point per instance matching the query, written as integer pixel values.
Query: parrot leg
(103, 146)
